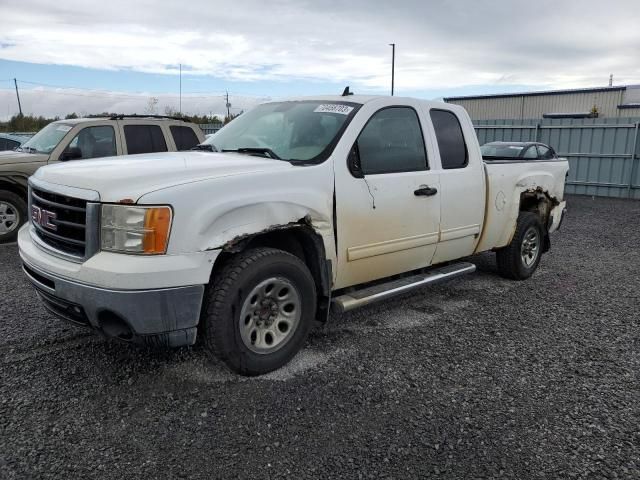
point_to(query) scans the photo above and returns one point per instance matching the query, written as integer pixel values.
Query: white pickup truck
(293, 208)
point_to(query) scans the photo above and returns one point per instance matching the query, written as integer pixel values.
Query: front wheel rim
(9, 218)
(530, 247)
(270, 315)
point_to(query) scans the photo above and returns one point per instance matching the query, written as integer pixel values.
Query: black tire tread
(218, 292)
(507, 258)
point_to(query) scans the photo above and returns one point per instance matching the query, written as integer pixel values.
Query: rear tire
(521, 257)
(258, 310)
(13, 213)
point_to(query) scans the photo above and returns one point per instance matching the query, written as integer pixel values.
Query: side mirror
(71, 153)
(353, 162)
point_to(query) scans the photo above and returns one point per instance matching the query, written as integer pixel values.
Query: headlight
(134, 229)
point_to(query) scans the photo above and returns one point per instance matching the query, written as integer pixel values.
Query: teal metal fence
(603, 154)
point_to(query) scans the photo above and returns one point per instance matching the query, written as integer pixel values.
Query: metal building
(606, 102)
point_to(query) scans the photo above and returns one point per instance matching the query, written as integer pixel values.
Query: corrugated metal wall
(603, 154)
(534, 106)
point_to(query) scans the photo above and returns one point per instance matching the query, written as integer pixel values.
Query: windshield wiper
(255, 150)
(205, 146)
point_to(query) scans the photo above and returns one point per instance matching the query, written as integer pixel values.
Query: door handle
(425, 191)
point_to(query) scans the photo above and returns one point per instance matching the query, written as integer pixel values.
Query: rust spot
(238, 243)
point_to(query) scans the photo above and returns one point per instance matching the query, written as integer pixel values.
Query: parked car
(12, 140)
(493, 151)
(298, 206)
(78, 139)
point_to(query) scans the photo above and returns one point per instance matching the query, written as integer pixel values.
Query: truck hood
(10, 157)
(132, 176)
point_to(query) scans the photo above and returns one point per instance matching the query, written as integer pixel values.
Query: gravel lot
(478, 378)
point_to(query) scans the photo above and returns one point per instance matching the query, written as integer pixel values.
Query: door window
(92, 142)
(531, 153)
(144, 139)
(544, 152)
(392, 141)
(453, 149)
(184, 137)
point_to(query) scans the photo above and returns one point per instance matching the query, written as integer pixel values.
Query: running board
(369, 295)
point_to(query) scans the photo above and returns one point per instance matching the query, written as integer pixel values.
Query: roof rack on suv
(122, 116)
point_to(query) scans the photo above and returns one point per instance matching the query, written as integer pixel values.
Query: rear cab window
(144, 139)
(451, 143)
(184, 137)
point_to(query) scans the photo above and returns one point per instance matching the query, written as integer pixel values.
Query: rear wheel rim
(530, 248)
(9, 217)
(270, 315)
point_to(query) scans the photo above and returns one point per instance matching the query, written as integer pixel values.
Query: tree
(231, 116)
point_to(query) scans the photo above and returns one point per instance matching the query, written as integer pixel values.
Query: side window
(184, 137)
(531, 153)
(3, 144)
(392, 141)
(11, 144)
(544, 152)
(92, 142)
(144, 139)
(453, 149)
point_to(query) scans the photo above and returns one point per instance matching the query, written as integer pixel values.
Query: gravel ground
(478, 378)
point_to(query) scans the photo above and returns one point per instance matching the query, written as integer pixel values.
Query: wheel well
(541, 204)
(537, 202)
(19, 190)
(299, 240)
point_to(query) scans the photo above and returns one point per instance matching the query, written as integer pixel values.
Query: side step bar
(369, 295)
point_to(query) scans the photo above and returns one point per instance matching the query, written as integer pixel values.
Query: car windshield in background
(302, 131)
(501, 151)
(46, 139)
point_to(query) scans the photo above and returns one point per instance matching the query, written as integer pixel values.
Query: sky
(88, 57)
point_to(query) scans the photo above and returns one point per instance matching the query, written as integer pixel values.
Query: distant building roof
(542, 92)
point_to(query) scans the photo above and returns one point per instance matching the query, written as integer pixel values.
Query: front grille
(70, 220)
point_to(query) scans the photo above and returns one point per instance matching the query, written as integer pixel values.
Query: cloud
(440, 43)
(51, 102)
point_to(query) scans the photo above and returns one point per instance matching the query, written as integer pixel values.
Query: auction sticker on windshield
(333, 108)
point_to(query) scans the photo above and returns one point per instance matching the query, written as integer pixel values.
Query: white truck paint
(347, 228)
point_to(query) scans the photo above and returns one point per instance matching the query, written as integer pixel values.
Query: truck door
(462, 199)
(387, 220)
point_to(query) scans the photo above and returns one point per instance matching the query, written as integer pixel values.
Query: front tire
(258, 310)
(521, 257)
(13, 213)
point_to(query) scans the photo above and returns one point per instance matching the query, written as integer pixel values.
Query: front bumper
(166, 317)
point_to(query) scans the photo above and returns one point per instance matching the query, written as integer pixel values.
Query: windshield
(303, 131)
(501, 151)
(46, 139)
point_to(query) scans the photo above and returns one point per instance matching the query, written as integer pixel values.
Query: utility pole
(15, 82)
(180, 101)
(393, 65)
(228, 106)
(611, 80)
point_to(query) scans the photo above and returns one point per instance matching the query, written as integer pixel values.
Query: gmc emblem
(43, 217)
